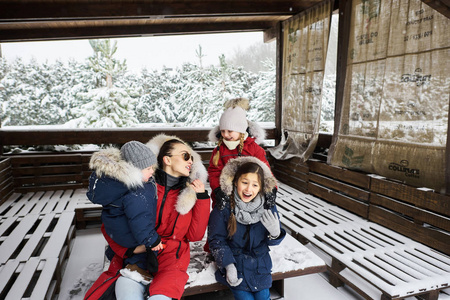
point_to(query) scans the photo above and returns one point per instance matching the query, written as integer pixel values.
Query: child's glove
(152, 261)
(271, 222)
(221, 198)
(232, 278)
(270, 198)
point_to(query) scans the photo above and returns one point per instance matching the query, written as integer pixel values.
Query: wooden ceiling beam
(441, 6)
(73, 10)
(38, 34)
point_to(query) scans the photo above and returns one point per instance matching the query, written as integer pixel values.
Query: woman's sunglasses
(186, 156)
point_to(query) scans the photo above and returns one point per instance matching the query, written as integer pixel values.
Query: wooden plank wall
(345, 188)
(421, 215)
(292, 172)
(51, 171)
(6, 179)
(48, 172)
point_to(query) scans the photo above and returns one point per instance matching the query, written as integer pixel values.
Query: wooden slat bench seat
(36, 232)
(35, 236)
(376, 261)
(40, 202)
(34, 279)
(290, 259)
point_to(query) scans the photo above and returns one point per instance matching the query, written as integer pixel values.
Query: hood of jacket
(187, 197)
(228, 172)
(109, 162)
(254, 130)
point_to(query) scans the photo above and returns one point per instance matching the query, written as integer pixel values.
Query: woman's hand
(198, 186)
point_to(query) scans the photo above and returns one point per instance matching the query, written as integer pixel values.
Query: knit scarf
(231, 145)
(250, 212)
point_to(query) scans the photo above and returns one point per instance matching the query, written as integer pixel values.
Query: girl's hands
(271, 222)
(198, 186)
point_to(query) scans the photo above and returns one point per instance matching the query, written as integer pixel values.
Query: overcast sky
(152, 52)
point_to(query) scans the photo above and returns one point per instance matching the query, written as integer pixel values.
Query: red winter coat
(176, 231)
(251, 148)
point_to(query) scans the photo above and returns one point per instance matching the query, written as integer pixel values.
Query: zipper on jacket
(173, 228)
(166, 191)
(178, 250)
(246, 236)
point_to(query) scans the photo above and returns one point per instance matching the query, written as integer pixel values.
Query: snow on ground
(86, 264)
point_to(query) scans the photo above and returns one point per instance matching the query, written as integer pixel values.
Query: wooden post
(336, 267)
(345, 10)
(447, 157)
(279, 82)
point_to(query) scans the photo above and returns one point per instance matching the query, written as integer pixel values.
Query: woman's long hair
(249, 167)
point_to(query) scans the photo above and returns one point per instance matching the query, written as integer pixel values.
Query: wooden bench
(34, 279)
(290, 259)
(87, 212)
(36, 232)
(376, 261)
(40, 203)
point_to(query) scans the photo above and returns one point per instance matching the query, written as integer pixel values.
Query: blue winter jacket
(248, 249)
(129, 215)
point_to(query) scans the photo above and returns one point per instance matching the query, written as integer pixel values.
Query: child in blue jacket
(122, 183)
(242, 226)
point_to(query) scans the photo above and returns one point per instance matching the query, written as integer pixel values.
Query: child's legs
(127, 288)
(246, 295)
(262, 295)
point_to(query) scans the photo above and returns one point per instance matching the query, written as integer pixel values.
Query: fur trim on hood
(109, 162)
(187, 197)
(230, 169)
(254, 130)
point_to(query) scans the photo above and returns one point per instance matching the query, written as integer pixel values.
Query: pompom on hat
(138, 154)
(234, 118)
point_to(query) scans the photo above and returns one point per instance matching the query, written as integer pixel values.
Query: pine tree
(110, 106)
(263, 91)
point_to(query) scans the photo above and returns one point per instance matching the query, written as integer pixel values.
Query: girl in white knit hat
(235, 137)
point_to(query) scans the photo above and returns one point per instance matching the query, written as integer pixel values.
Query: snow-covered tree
(153, 105)
(263, 92)
(110, 106)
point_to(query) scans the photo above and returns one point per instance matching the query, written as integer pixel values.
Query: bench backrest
(6, 179)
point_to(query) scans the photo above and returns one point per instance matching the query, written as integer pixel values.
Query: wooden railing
(102, 136)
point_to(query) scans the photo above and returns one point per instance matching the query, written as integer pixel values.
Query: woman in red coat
(182, 216)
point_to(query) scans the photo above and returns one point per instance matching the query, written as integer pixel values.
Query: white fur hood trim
(228, 172)
(187, 197)
(254, 129)
(109, 162)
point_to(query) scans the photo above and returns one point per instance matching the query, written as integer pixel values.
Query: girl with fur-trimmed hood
(235, 137)
(182, 215)
(242, 226)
